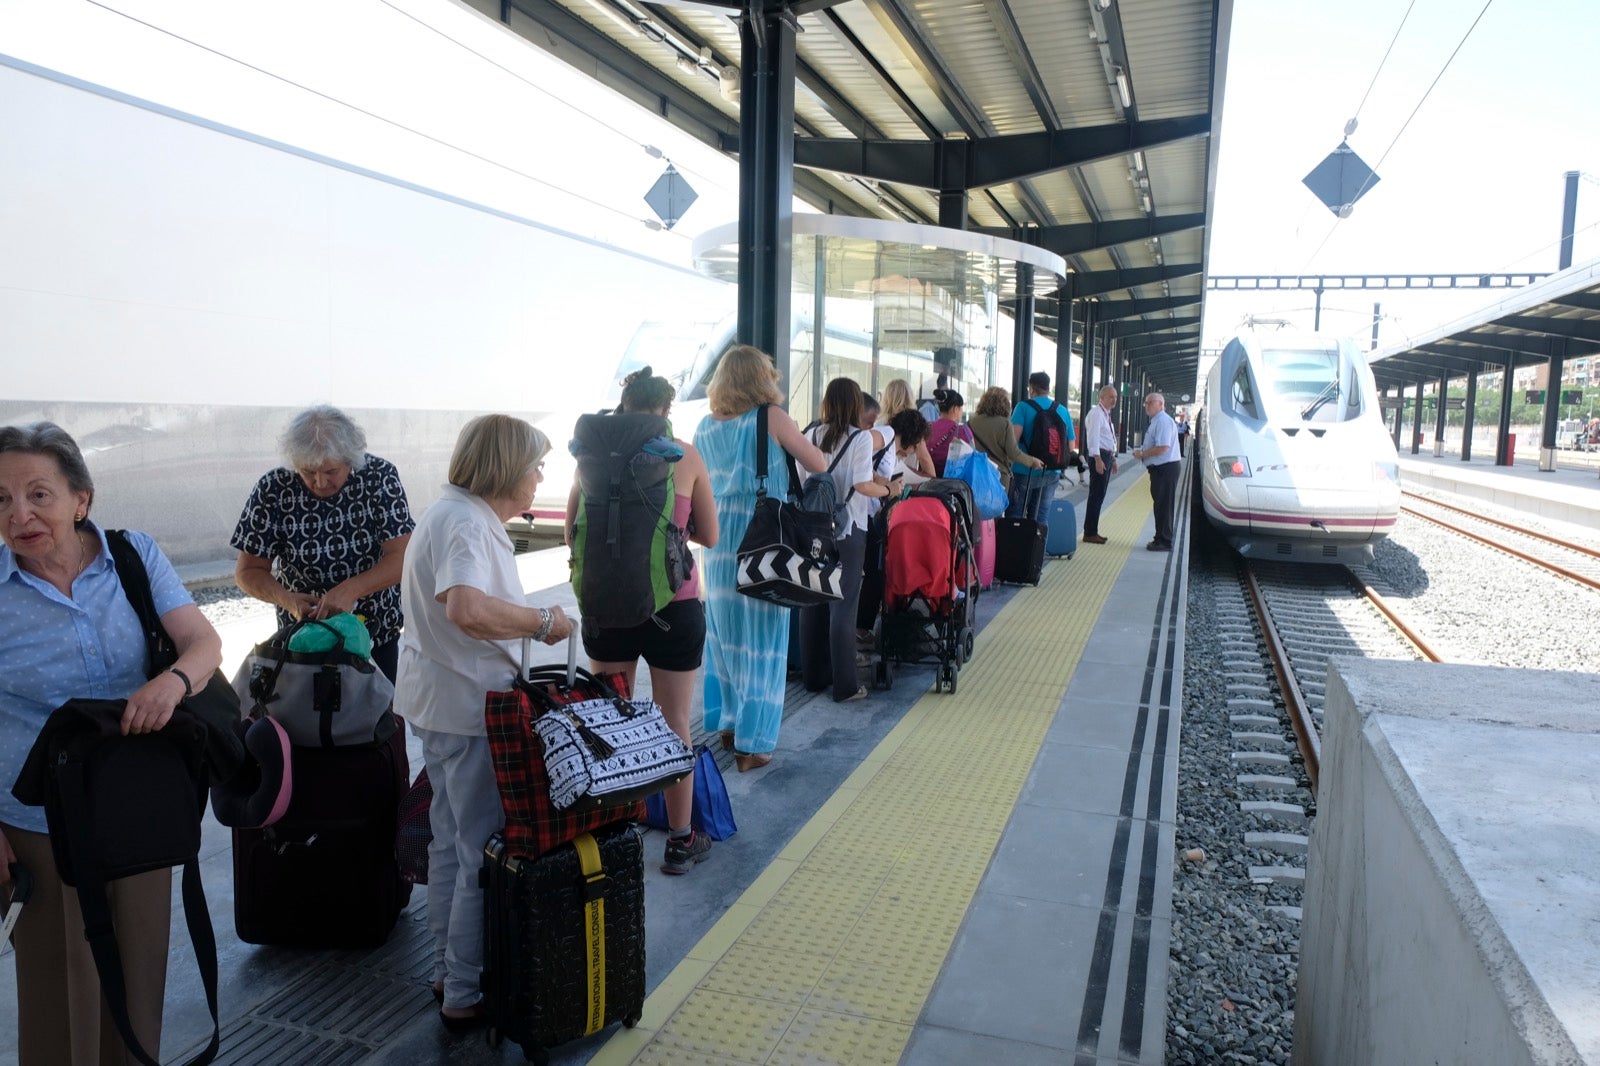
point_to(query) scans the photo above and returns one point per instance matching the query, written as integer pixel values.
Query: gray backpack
(819, 494)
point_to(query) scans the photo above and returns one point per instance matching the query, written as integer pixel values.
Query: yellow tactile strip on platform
(830, 954)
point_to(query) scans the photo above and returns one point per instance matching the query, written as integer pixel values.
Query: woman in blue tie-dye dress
(747, 640)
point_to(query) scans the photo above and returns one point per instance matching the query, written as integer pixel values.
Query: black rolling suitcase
(325, 875)
(564, 938)
(1018, 549)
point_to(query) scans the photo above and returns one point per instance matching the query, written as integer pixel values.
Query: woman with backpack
(747, 639)
(671, 641)
(828, 631)
(947, 427)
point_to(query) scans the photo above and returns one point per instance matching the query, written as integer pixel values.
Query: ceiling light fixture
(1138, 160)
(1145, 200)
(1123, 89)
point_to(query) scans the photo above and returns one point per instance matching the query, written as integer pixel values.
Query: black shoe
(466, 1022)
(682, 853)
(1158, 546)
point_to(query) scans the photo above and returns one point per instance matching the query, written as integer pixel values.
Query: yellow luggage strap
(594, 929)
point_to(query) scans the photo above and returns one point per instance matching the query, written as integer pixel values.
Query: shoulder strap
(761, 450)
(854, 433)
(135, 581)
(101, 934)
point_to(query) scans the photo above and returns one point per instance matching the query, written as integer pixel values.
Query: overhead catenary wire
(506, 167)
(1403, 126)
(1350, 126)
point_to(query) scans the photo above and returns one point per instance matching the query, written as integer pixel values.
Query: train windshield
(1309, 380)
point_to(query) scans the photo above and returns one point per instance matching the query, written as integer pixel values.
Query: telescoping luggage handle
(21, 889)
(572, 656)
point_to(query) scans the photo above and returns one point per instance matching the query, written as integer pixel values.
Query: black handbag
(788, 556)
(215, 703)
(119, 806)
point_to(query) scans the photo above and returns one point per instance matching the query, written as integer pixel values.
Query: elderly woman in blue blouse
(67, 630)
(327, 533)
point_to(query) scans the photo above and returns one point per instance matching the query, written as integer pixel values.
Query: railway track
(1278, 635)
(1576, 562)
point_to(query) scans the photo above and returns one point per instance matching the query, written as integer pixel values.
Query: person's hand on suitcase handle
(554, 626)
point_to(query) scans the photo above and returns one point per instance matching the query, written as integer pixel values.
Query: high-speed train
(1295, 461)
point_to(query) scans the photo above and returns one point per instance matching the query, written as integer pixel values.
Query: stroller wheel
(967, 641)
(950, 674)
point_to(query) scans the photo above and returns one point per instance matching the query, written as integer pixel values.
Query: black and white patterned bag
(605, 751)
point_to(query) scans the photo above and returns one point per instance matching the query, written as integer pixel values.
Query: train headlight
(1233, 466)
(1389, 472)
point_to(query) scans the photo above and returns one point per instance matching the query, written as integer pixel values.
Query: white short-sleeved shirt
(1162, 433)
(444, 673)
(886, 467)
(853, 469)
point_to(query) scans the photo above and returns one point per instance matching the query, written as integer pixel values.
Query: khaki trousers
(61, 1015)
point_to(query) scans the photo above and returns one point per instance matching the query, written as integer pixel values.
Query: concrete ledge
(1451, 886)
(1496, 485)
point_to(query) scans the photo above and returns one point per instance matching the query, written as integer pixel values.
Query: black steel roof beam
(1010, 34)
(1439, 359)
(1078, 237)
(1107, 309)
(619, 69)
(1184, 347)
(1100, 282)
(892, 16)
(1135, 327)
(994, 160)
(1587, 301)
(1581, 329)
(1503, 342)
(890, 88)
(1335, 282)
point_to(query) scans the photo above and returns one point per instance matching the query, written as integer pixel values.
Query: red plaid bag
(533, 824)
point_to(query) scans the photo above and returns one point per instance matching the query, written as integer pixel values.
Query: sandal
(746, 761)
(860, 694)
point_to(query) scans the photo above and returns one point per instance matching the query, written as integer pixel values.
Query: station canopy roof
(1558, 315)
(1085, 127)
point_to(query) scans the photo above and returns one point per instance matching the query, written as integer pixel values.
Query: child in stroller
(930, 596)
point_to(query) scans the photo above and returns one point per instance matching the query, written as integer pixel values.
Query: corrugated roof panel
(972, 49)
(1068, 59)
(1178, 176)
(821, 47)
(888, 48)
(1169, 56)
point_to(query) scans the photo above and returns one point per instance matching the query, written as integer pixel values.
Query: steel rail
(1555, 568)
(1294, 701)
(1412, 636)
(1580, 548)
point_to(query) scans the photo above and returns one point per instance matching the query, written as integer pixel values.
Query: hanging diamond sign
(1340, 180)
(670, 197)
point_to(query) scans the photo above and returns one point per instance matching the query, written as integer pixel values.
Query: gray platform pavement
(1042, 970)
(1570, 493)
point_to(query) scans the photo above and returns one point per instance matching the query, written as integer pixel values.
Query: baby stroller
(930, 595)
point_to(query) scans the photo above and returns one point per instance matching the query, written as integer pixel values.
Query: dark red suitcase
(540, 983)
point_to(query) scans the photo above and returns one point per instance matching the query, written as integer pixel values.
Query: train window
(1244, 396)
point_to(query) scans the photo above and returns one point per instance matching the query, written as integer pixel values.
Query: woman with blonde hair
(914, 458)
(996, 437)
(747, 640)
(466, 615)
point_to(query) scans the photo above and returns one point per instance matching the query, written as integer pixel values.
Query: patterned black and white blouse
(316, 543)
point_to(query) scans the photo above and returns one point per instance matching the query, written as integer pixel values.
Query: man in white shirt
(1100, 447)
(1161, 457)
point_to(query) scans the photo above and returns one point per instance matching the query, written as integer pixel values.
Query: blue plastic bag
(988, 495)
(712, 814)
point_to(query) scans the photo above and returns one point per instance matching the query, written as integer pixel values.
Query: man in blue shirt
(1161, 458)
(1033, 490)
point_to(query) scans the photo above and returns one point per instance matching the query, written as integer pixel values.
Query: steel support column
(1503, 455)
(1438, 418)
(1470, 413)
(1399, 414)
(1022, 335)
(1416, 422)
(1063, 375)
(766, 180)
(1552, 404)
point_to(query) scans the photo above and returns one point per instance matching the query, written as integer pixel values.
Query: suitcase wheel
(630, 1021)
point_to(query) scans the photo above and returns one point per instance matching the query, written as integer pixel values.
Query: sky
(1471, 181)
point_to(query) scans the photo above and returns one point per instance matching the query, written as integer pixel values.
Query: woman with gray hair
(326, 533)
(466, 616)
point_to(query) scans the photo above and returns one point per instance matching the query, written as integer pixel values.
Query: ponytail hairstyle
(643, 392)
(947, 399)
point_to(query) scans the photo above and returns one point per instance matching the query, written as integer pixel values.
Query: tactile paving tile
(837, 962)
